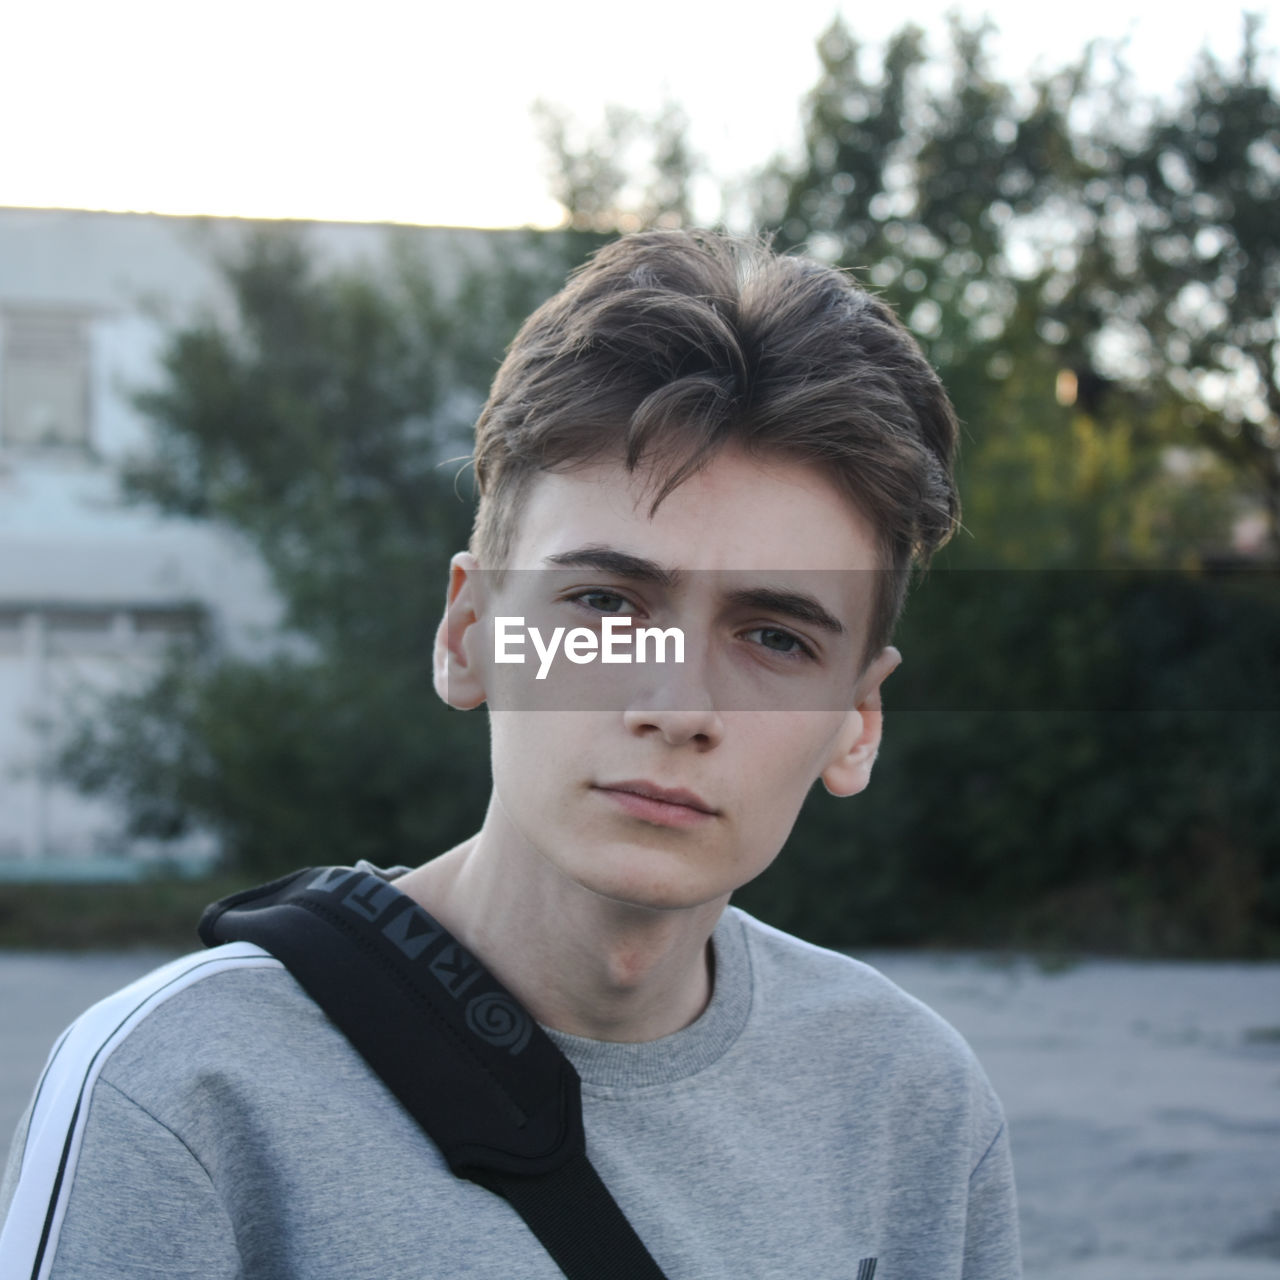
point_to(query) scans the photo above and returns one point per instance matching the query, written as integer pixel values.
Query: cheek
(513, 762)
(795, 747)
(788, 758)
(537, 756)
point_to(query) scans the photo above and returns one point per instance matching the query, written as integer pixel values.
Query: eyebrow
(619, 563)
(793, 604)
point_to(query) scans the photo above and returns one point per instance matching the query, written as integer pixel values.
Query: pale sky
(391, 111)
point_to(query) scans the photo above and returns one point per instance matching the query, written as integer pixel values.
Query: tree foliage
(1077, 745)
(1196, 261)
(631, 172)
(1072, 759)
(323, 420)
(1099, 292)
(1095, 278)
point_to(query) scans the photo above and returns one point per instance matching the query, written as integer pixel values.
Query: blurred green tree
(631, 171)
(1055, 769)
(1030, 238)
(1003, 226)
(1194, 291)
(1072, 756)
(324, 420)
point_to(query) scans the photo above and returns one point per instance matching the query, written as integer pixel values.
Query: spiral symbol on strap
(497, 1019)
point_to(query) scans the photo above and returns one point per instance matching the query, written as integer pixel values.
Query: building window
(44, 377)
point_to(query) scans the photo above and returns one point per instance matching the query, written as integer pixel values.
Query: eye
(781, 642)
(602, 600)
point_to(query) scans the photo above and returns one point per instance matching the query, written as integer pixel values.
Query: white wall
(77, 567)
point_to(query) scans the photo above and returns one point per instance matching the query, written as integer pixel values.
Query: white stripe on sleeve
(29, 1238)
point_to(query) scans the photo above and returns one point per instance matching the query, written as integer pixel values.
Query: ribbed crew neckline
(609, 1064)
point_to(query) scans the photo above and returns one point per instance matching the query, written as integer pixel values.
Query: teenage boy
(698, 436)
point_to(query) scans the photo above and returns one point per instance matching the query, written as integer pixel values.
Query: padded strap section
(578, 1221)
(457, 1049)
(452, 1043)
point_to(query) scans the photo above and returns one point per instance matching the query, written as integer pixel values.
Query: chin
(652, 887)
(663, 898)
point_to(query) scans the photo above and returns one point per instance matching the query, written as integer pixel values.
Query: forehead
(738, 513)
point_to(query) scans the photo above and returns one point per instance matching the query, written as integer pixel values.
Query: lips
(664, 795)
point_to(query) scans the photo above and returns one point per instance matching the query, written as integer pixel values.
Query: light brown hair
(667, 345)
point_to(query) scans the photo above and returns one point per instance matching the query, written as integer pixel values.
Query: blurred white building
(92, 590)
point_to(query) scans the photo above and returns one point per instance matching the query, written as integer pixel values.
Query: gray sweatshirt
(209, 1122)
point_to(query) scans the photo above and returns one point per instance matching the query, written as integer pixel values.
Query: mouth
(662, 805)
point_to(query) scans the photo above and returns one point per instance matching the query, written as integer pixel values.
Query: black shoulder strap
(490, 1088)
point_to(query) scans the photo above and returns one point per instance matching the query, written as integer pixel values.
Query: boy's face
(681, 781)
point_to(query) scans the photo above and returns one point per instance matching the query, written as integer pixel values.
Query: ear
(458, 673)
(849, 769)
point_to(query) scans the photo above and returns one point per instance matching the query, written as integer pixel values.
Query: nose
(679, 709)
(703, 728)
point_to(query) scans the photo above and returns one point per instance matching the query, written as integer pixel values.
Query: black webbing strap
(465, 1059)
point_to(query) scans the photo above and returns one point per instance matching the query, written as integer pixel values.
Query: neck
(580, 963)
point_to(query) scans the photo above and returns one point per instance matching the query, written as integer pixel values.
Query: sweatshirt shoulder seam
(989, 1149)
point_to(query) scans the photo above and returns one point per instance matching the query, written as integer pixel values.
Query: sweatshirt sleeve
(129, 1200)
(991, 1246)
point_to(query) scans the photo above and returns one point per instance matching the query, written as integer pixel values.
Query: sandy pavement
(1143, 1104)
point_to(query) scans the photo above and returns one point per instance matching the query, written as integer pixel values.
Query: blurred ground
(1143, 1098)
(1144, 1108)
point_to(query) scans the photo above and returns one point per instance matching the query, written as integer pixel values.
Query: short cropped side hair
(668, 345)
